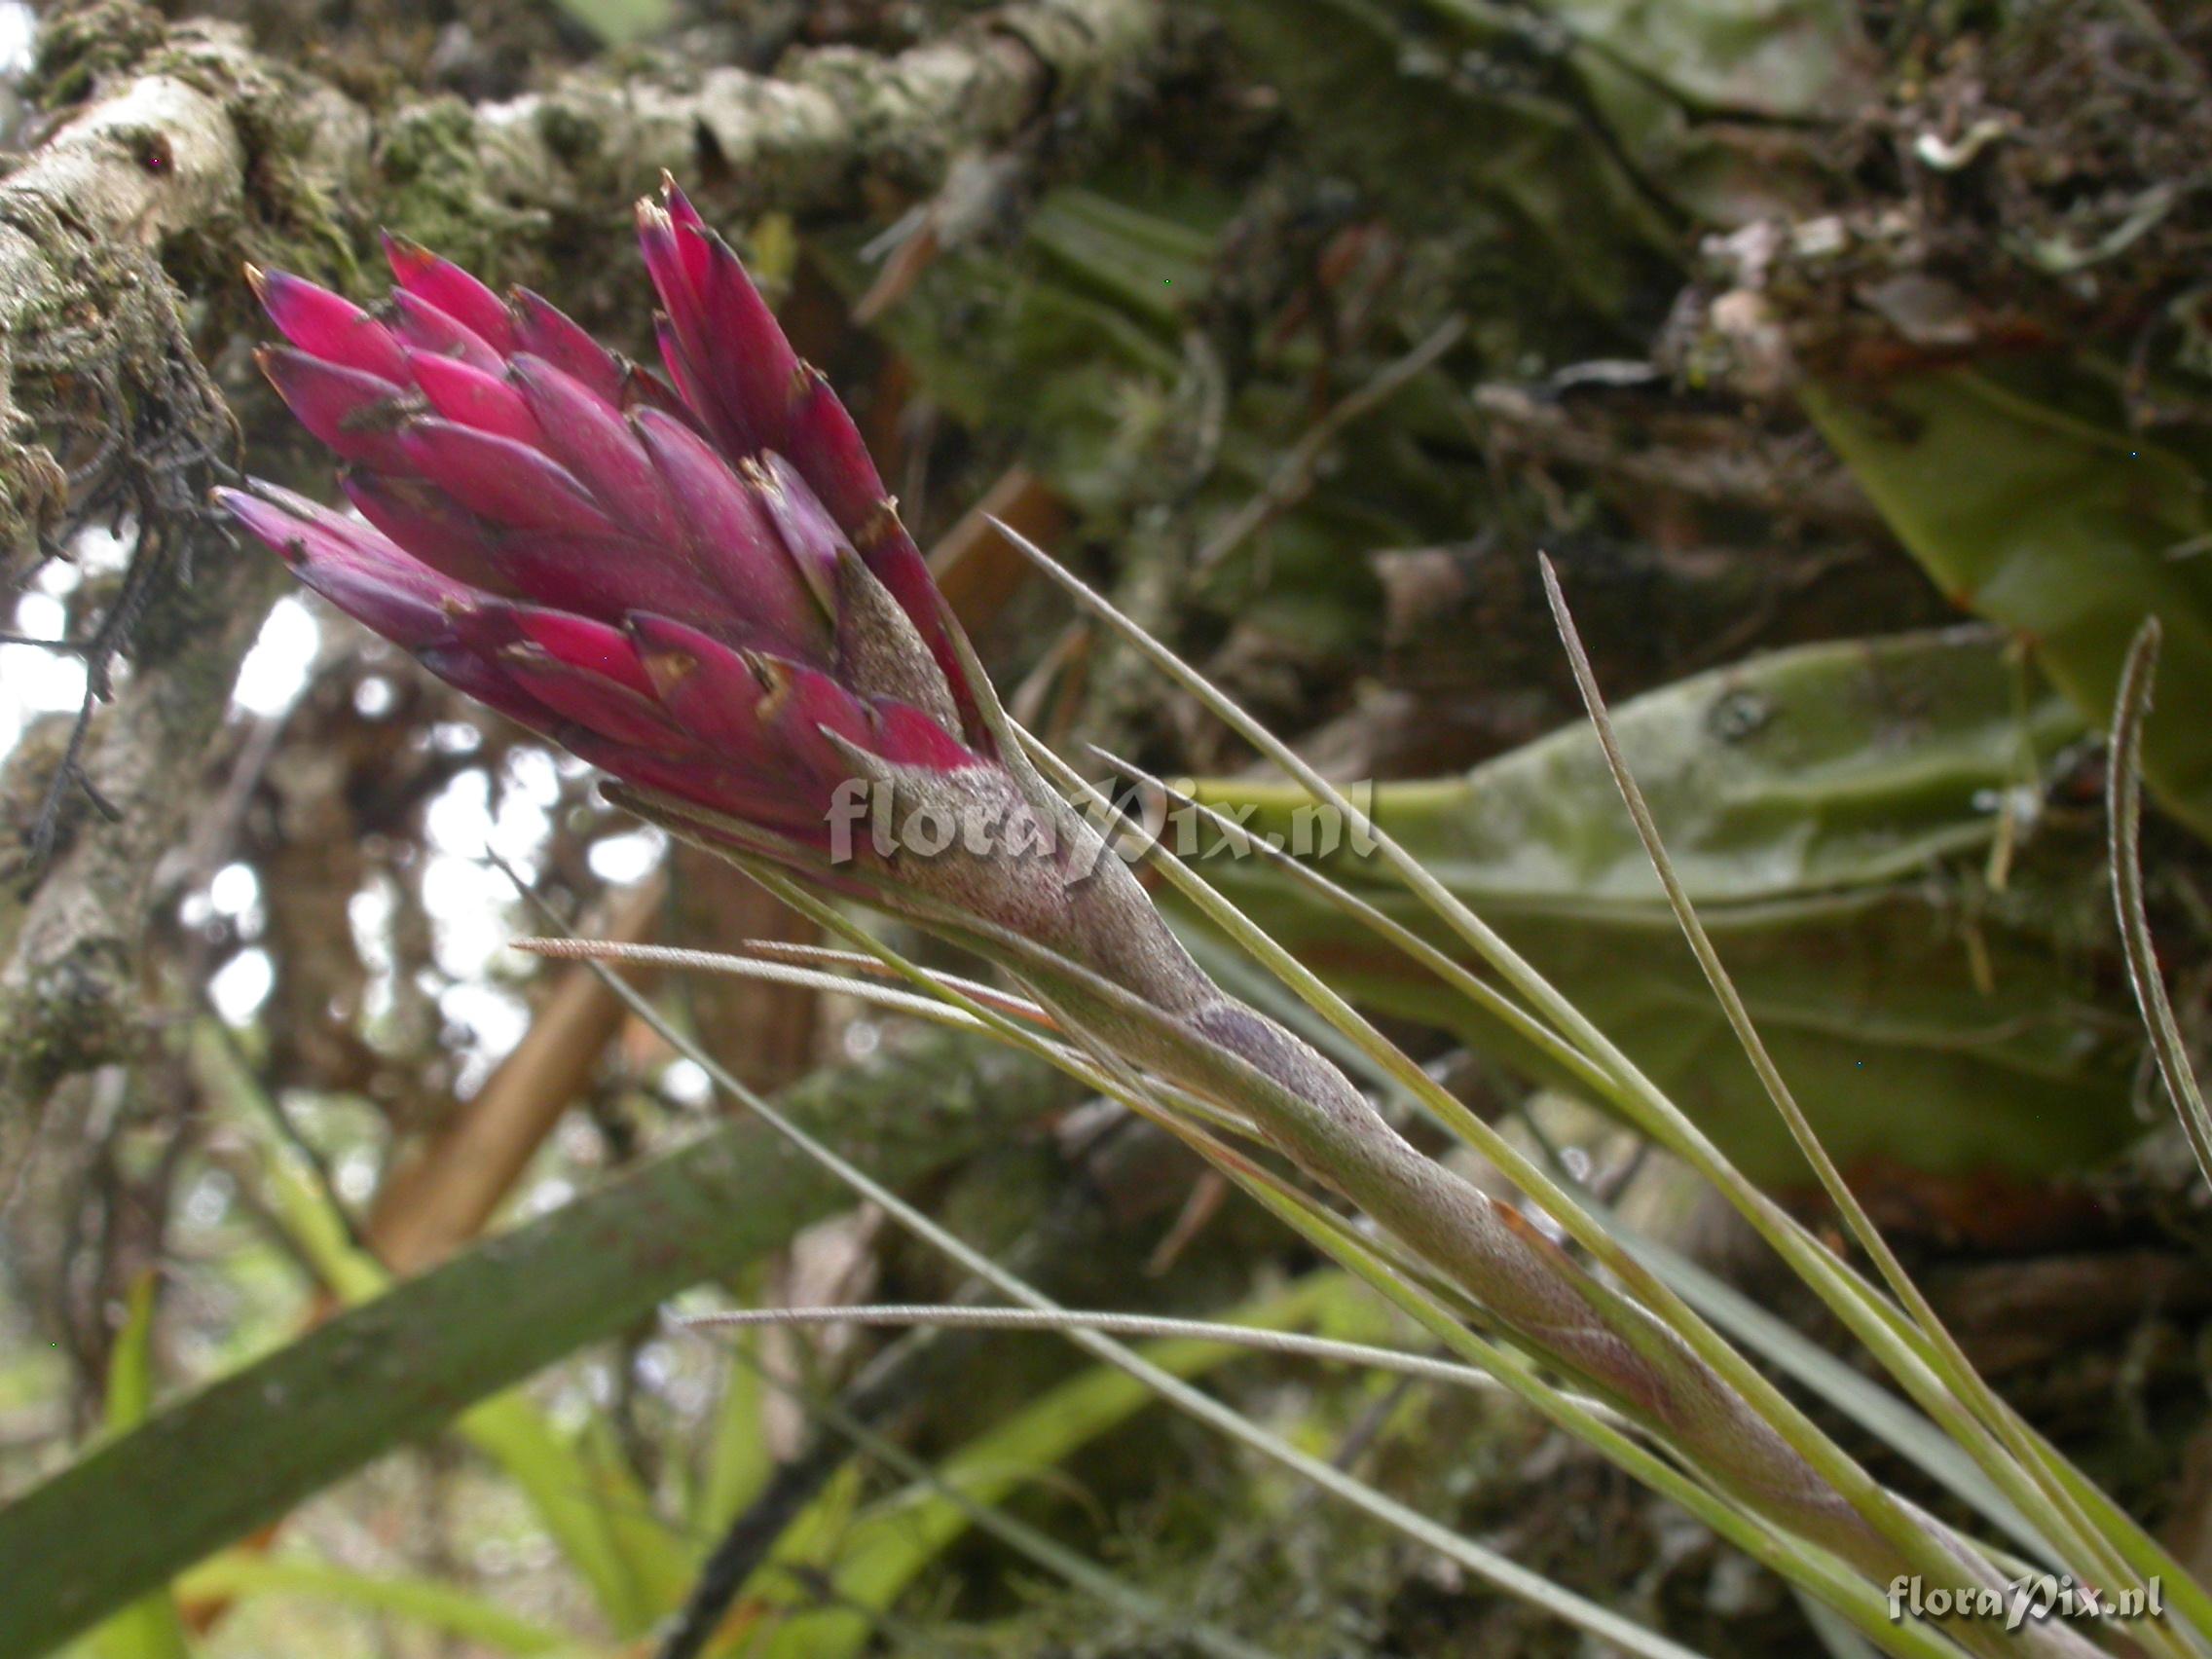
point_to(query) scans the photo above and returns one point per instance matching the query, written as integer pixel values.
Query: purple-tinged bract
(700, 588)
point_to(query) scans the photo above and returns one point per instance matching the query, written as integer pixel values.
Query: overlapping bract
(702, 588)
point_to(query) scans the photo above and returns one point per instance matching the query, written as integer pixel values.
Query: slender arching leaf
(2123, 806)
(1835, 810)
(242, 1574)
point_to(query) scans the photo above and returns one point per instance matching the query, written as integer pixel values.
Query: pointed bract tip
(680, 204)
(408, 258)
(668, 668)
(277, 528)
(881, 526)
(773, 675)
(257, 279)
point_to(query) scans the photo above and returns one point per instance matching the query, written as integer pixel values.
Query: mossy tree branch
(405, 1364)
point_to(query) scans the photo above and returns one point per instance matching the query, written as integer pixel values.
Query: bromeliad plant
(698, 584)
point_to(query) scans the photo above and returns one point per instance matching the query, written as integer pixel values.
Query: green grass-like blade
(2026, 1483)
(1493, 1567)
(243, 1575)
(1872, 1317)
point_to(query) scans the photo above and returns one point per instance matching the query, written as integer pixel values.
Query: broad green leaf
(896, 1541)
(411, 1360)
(2029, 499)
(1831, 809)
(247, 1575)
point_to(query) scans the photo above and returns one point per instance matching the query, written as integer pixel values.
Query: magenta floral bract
(697, 583)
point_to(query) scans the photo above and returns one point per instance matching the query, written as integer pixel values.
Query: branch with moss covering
(407, 1363)
(98, 365)
(185, 134)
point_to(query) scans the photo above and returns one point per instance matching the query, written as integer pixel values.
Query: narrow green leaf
(1900, 1345)
(249, 1574)
(131, 1366)
(619, 21)
(602, 1520)
(1858, 1396)
(739, 1462)
(599, 1517)
(1489, 1565)
(791, 1577)
(1080, 1570)
(2026, 1481)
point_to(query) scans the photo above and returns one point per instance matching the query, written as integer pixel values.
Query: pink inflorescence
(700, 586)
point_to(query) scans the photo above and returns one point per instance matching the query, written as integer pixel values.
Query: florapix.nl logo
(874, 816)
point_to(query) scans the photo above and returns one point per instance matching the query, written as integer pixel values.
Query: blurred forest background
(1853, 359)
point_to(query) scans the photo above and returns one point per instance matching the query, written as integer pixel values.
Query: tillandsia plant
(698, 584)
